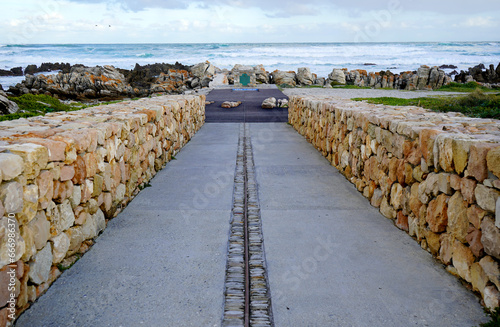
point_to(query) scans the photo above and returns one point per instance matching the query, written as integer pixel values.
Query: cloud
(479, 21)
(298, 7)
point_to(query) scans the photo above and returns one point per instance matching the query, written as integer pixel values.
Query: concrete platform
(249, 111)
(333, 260)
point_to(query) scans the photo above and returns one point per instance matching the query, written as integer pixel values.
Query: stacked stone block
(436, 175)
(62, 176)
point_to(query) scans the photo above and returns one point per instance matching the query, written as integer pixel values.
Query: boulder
(7, 106)
(202, 70)
(337, 77)
(230, 104)
(261, 75)
(269, 103)
(304, 76)
(281, 77)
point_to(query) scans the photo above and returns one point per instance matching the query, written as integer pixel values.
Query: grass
(31, 105)
(495, 318)
(467, 87)
(352, 87)
(476, 104)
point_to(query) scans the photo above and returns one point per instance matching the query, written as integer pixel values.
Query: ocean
(321, 58)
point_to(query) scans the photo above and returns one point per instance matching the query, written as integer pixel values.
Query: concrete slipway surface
(333, 260)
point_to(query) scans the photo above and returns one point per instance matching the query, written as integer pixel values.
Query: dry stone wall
(62, 176)
(435, 175)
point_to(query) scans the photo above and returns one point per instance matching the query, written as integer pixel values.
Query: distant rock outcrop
(109, 82)
(480, 74)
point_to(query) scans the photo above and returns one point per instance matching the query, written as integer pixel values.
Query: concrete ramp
(249, 111)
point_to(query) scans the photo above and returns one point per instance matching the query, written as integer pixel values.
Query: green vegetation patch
(31, 105)
(355, 87)
(495, 318)
(476, 104)
(467, 87)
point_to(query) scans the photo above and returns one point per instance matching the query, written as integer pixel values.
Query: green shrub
(476, 104)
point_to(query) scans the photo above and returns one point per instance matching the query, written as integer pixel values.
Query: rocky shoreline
(83, 83)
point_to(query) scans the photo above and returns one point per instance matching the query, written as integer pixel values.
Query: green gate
(244, 79)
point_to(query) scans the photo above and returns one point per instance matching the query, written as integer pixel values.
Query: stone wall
(434, 174)
(62, 176)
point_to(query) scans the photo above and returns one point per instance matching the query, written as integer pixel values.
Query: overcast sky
(225, 21)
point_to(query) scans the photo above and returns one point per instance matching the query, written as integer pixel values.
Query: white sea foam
(321, 58)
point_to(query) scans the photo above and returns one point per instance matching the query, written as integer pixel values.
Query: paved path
(332, 259)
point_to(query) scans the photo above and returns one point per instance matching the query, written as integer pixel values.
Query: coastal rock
(7, 106)
(304, 76)
(269, 103)
(261, 75)
(203, 70)
(229, 104)
(284, 78)
(337, 77)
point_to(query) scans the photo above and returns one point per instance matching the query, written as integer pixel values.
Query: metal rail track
(247, 295)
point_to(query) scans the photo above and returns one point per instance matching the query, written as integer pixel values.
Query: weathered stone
(446, 250)
(386, 209)
(477, 167)
(41, 229)
(98, 185)
(458, 223)
(415, 203)
(62, 191)
(90, 164)
(445, 156)
(493, 161)
(80, 171)
(269, 103)
(35, 157)
(433, 241)
(29, 242)
(55, 149)
(11, 195)
(45, 184)
(474, 240)
(67, 173)
(11, 166)
(479, 279)
(437, 214)
(432, 184)
(60, 246)
(491, 269)
(444, 185)
(486, 197)
(76, 197)
(462, 260)
(490, 237)
(475, 215)
(76, 237)
(460, 154)
(20, 247)
(396, 196)
(455, 182)
(468, 189)
(30, 204)
(40, 265)
(402, 221)
(427, 138)
(491, 297)
(66, 218)
(94, 225)
(337, 77)
(304, 76)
